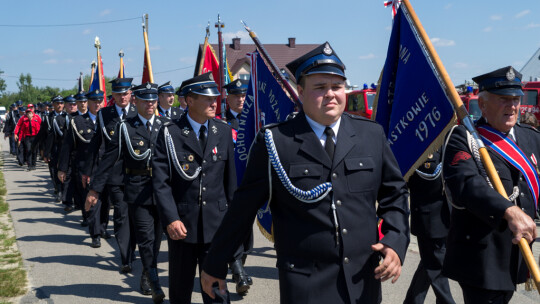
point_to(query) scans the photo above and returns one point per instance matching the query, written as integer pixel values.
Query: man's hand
(16, 137)
(521, 225)
(62, 176)
(46, 159)
(85, 180)
(391, 265)
(91, 200)
(207, 281)
(177, 230)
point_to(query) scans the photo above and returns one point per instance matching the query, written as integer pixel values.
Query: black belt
(147, 172)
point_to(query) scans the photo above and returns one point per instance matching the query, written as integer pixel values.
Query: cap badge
(327, 50)
(148, 86)
(510, 75)
(238, 84)
(97, 91)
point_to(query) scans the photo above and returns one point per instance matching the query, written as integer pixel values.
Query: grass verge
(13, 279)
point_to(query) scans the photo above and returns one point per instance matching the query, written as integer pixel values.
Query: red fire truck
(360, 102)
(530, 102)
(469, 96)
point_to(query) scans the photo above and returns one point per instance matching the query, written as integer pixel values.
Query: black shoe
(29, 168)
(145, 284)
(68, 208)
(239, 277)
(84, 223)
(126, 268)
(157, 293)
(96, 242)
(106, 235)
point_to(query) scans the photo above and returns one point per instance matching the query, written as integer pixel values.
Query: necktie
(124, 114)
(148, 127)
(202, 137)
(167, 113)
(30, 126)
(329, 145)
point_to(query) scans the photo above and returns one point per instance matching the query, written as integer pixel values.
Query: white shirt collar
(197, 126)
(119, 110)
(234, 113)
(144, 120)
(318, 129)
(56, 113)
(81, 113)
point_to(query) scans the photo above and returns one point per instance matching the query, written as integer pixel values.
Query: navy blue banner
(412, 105)
(266, 102)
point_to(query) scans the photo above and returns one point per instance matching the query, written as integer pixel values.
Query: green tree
(2, 84)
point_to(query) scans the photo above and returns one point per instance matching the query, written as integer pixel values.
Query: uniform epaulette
(357, 117)
(220, 120)
(524, 125)
(274, 124)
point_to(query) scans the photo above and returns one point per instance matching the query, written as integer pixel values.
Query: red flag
(146, 72)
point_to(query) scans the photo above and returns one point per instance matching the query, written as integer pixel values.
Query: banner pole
(468, 123)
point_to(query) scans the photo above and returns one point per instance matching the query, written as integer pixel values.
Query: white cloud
(461, 65)
(442, 42)
(87, 31)
(487, 29)
(532, 25)
(155, 48)
(365, 57)
(496, 17)
(49, 51)
(522, 13)
(243, 35)
(105, 12)
(50, 61)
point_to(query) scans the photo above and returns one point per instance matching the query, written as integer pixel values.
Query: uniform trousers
(98, 215)
(183, 260)
(123, 227)
(428, 273)
(21, 155)
(476, 295)
(12, 145)
(79, 195)
(148, 232)
(69, 187)
(31, 154)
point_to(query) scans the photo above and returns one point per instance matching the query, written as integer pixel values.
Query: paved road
(63, 268)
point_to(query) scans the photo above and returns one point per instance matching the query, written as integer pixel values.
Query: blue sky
(471, 37)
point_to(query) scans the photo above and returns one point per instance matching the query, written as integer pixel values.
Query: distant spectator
(529, 118)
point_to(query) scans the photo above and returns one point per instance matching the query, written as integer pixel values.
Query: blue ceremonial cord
(428, 176)
(311, 196)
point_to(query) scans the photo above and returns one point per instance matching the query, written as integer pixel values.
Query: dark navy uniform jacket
(207, 197)
(53, 141)
(77, 143)
(430, 211)
(313, 267)
(106, 129)
(231, 120)
(479, 250)
(175, 113)
(138, 187)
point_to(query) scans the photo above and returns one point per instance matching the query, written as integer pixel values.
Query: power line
(74, 79)
(67, 24)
